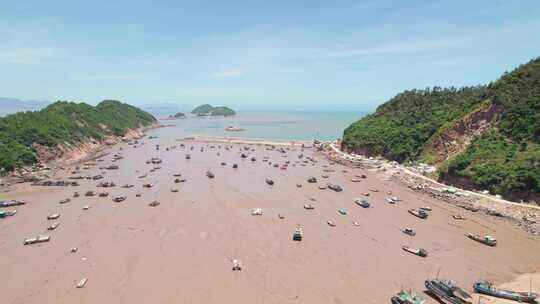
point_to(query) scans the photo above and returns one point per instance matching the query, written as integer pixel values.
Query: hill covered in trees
(63, 123)
(483, 137)
(208, 110)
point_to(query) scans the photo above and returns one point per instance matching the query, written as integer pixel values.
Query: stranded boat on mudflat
(486, 240)
(488, 289)
(447, 292)
(404, 297)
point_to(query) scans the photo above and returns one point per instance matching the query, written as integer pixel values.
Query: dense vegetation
(400, 127)
(63, 123)
(208, 110)
(504, 160)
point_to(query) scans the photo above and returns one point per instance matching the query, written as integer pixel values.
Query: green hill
(484, 137)
(208, 110)
(63, 123)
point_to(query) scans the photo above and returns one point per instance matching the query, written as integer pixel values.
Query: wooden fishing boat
(409, 231)
(298, 234)
(53, 226)
(308, 206)
(257, 211)
(419, 252)
(38, 239)
(418, 213)
(404, 297)
(486, 240)
(487, 288)
(447, 292)
(119, 199)
(362, 203)
(7, 213)
(53, 216)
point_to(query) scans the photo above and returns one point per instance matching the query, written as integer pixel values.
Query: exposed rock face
(454, 139)
(71, 153)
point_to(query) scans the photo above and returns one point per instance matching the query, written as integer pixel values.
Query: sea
(302, 126)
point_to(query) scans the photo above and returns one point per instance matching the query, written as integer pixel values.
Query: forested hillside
(503, 157)
(63, 122)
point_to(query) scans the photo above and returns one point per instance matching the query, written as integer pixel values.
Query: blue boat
(487, 288)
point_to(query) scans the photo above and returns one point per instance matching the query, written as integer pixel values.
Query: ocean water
(304, 126)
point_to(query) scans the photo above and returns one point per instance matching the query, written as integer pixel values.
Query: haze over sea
(276, 125)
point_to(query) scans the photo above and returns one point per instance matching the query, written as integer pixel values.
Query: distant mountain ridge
(483, 137)
(10, 105)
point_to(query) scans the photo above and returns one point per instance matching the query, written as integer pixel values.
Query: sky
(258, 55)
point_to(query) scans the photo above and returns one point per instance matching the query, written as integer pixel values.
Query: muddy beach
(181, 251)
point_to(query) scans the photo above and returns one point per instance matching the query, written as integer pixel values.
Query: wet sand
(181, 250)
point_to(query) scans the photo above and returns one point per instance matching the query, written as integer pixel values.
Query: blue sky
(258, 55)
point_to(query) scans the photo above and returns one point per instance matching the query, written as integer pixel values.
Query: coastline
(239, 140)
(526, 216)
(50, 164)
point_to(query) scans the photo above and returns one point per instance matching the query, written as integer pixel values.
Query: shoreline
(72, 155)
(240, 140)
(523, 215)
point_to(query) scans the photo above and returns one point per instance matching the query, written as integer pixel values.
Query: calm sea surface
(267, 125)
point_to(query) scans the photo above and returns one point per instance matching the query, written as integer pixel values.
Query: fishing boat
(269, 181)
(7, 213)
(404, 297)
(38, 239)
(486, 240)
(308, 206)
(409, 231)
(298, 233)
(419, 252)
(257, 211)
(447, 292)
(487, 288)
(362, 203)
(342, 211)
(119, 199)
(209, 174)
(418, 213)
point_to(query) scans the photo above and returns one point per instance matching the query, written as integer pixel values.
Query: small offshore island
(209, 110)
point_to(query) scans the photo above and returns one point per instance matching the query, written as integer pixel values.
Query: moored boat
(418, 213)
(487, 288)
(419, 252)
(447, 292)
(404, 297)
(486, 240)
(362, 203)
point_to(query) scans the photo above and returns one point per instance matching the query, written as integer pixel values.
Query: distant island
(26, 136)
(179, 115)
(484, 137)
(208, 110)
